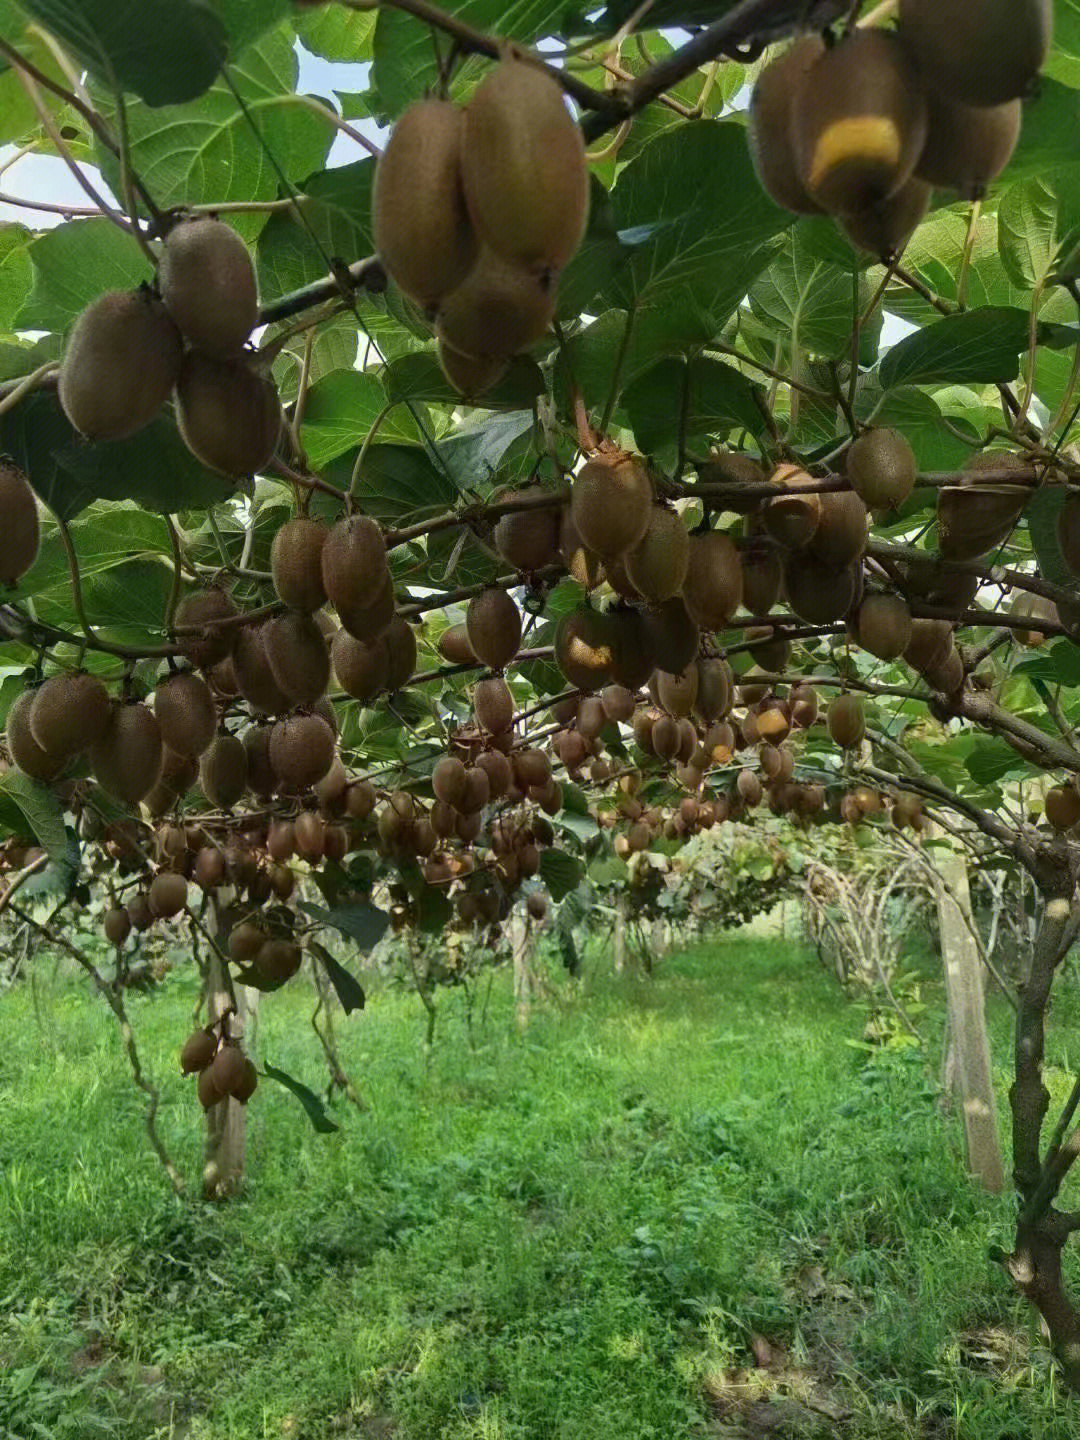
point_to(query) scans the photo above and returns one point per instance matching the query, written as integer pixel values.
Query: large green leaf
(700, 398)
(397, 483)
(340, 411)
(979, 347)
(313, 1106)
(336, 223)
(41, 810)
(806, 302)
(104, 537)
(74, 264)
(16, 273)
(1027, 232)
(1042, 513)
(334, 32)
(560, 872)
(165, 51)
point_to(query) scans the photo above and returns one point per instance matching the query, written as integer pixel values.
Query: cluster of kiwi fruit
(865, 128)
(185, 336)
(223, 1069)
(477, 210)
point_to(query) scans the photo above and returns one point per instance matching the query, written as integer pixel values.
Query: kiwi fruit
(186, 713)
(883, 626)
(228, 413)
(583, 564)
(277, 962)
(618, 702)
(455, 646)
(967, 146)
(611, 504)
(178, 774)
(296, 563)
(792, 518)
(946, 673)
(1035, 607)
(422, 229)
(167, 894)
(471, 377)
(712, 590)
(840, 537)
(1062, 807)
(200, 611)
(369, 622)
(69, 713)
(253, 673)
(527, 540)
(670, 634)
(448, 781)
(116, 924)
(353, 563)
(493, 705)
(223, 770)
(617, 577)
(881, 469)
(493, 622)
(524, 170)
(769, 126)
(301, 751)
(585, 648)
(228, 1069)
(714, 690)
(497, 768)
(665, 737)
(127, 760)
(980, 52)
(657, 565)
(762, 577)
(24, 750)
(884, 229)
(20, 531)
(846, 721)
(362, 670)
(771, 649)
(974, 517)
(207, 284)
(930, 639)
(818, 593)
(198, 1052)
(678, 693)
(858, 121)
(938, 583)
(591, 717)
(400, 641)
(499, 310)
(634, 655)
(122, 358)
(298, 656)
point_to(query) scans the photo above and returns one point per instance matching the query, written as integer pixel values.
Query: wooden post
(967, 1023)
(619, 935)
(520, 942)
(226, 1122)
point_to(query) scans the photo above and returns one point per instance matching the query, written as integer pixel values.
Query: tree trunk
(658, 939)
(967, 1024)
(520, 945)
(226, 1122)
(619, 934)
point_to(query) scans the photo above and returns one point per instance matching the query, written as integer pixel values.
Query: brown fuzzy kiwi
(448, 781)
(657, 565)
(223, 770)
(591, 717)
(209, 1094)
(527, 540)
(69, 713)
(884, 229)
(186, 713)
(178, 774)
(881, 468)
(498, 311)
(493, 622)
(981, 54)
(523, 165)
(296, 563)
(277, 962)
(671, 635)
(634, 655)
(618, 579)
(939, 584)
(762, 577)
(369, 622)
(1062, 807)
(167, 894)
(422, 229)
(116, 925)
(792, 518)
(353, 562)
(228, 413)
(122, 358)
(207, 283)
(228, 1069)
(310, 834)
(497, 768)
(967, 146)
(930, 639)
(362, 670)
(769, 126)
(455, 646)
(665, 737)
(24, 750)
(301, 751)
(476, 792)
(470, 377)
(253, 673)
(585, 648)
(199, 1050)
(712, 590)
(493, 705)
(858, 121)
(946, 673)
(20, 531)
(840, 537)
(245, 941)
(818, 593)
(611, 504)
(846, 721)
(618, 702)
(584, 565)
(883, 626)
(714, 690)
(678, 693)
(298, 656)
(1035, 607)
(771, 648)
(212, 644)
(400, 641)
(974, 517)
(127, 760)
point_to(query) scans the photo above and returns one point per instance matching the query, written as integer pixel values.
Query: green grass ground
(568, 1236)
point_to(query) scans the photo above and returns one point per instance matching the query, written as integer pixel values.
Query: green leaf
(73, 265)
(362, 922)
(713, 395)
(104, 537)
(396, 483)
(1027, 228)
(419, 376)
(977, 347)
(336, 222)
(1041, 514)
(473, 452)
(154, 467)
(313, 1106)
(16, 272)
(165, 51)
(41, 810)
(341, 408)
(560, 872)
(807, 302)
(937, 445)
(991, 760)
(347, 988)
(1056, 664)
(336, 33)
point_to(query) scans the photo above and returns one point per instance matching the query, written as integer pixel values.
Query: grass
(571, 1235)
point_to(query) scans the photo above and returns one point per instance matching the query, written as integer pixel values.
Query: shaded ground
(681, 1209)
